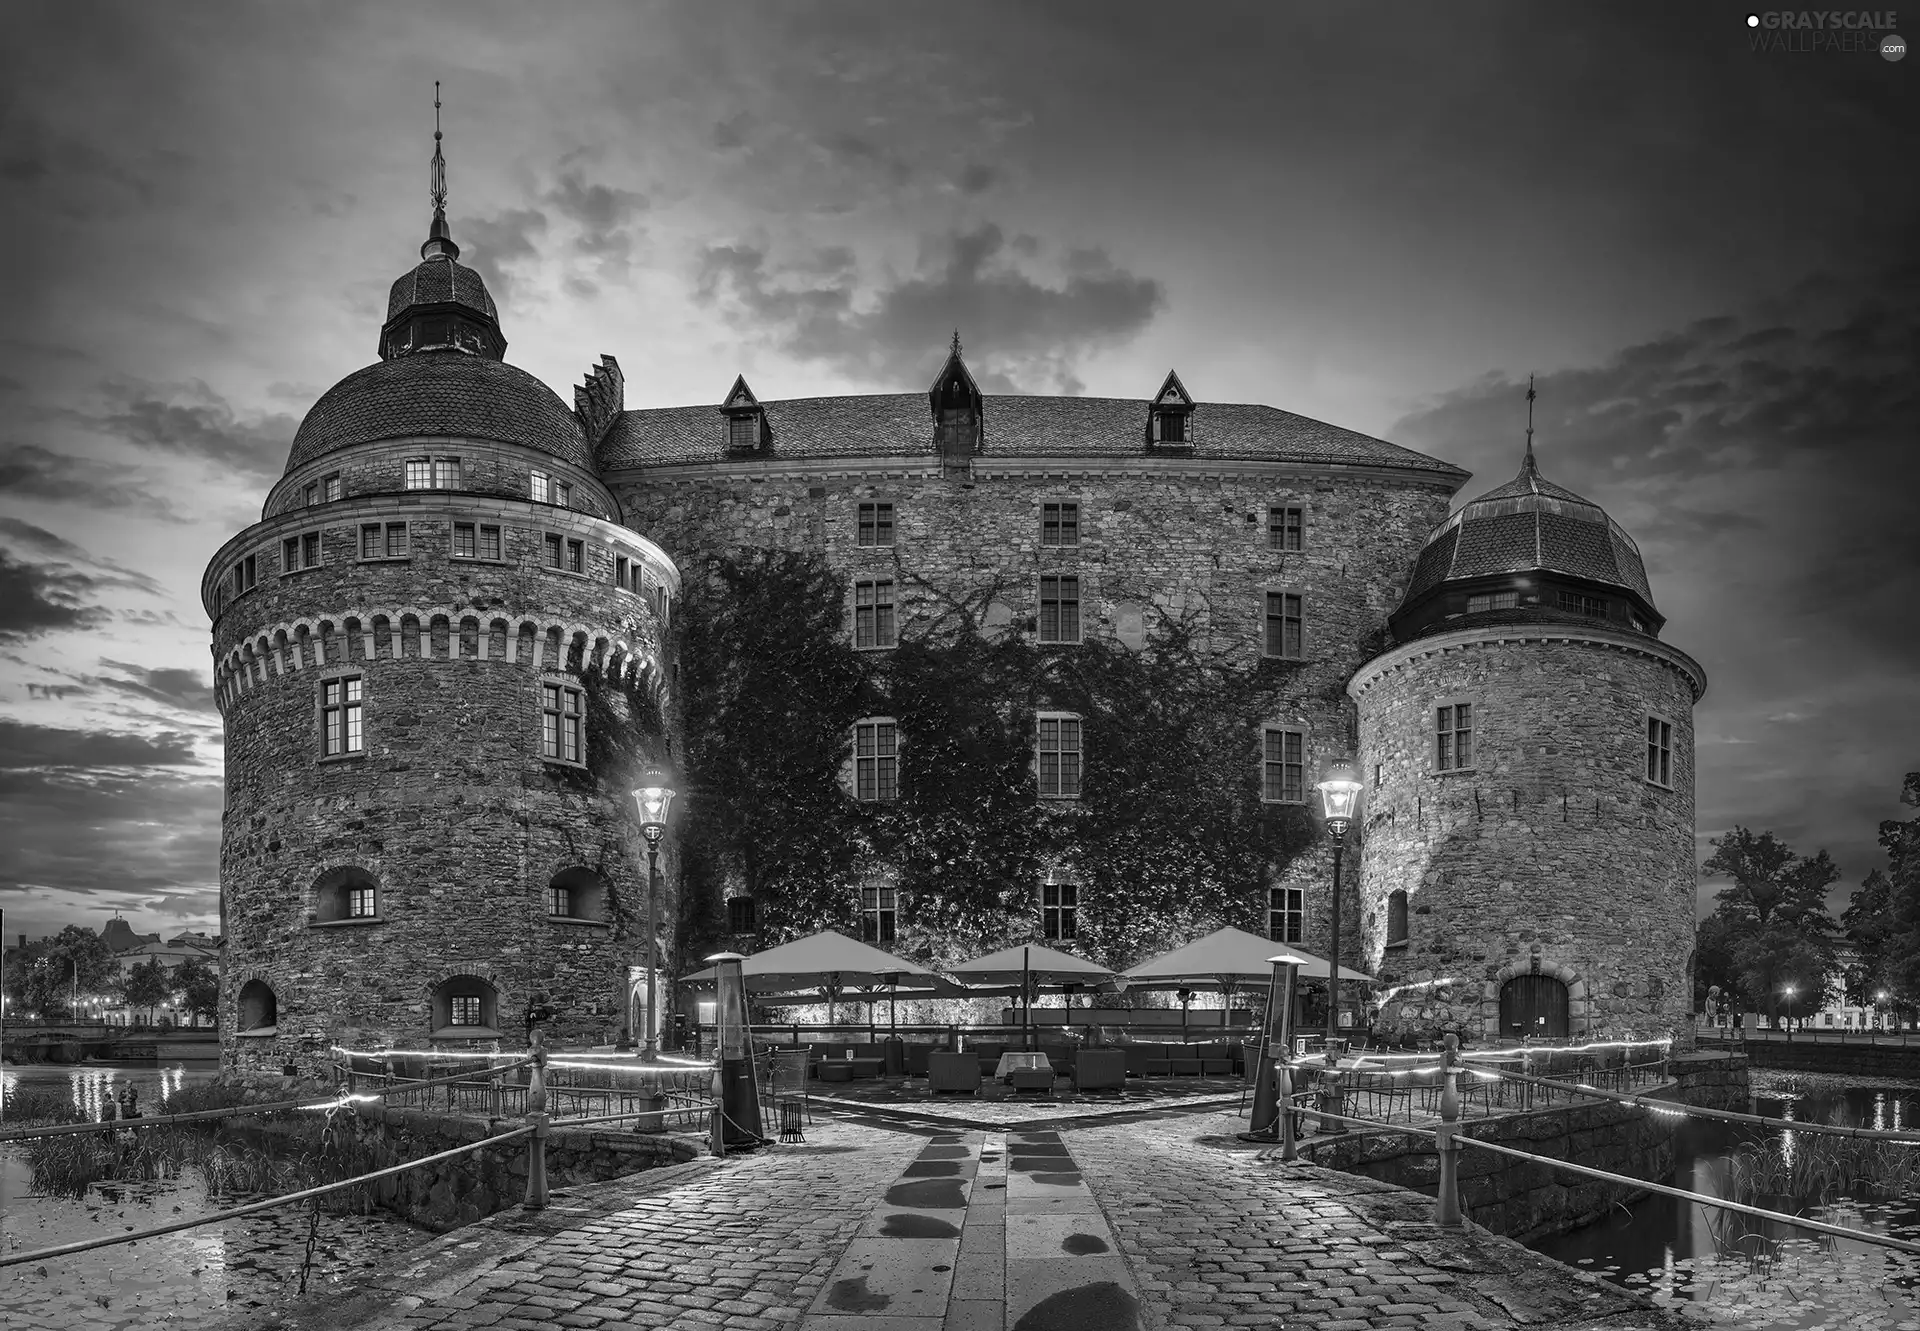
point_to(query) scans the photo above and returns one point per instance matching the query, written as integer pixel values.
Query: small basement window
(465, 1006)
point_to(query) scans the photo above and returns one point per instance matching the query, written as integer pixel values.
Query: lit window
(340, 717)
(1396, 918)
(874, 623)
(330, 487)
(360, 902)
(1284, 626)
(1170, 427)
(559, 900)
(741, 916)
(1059, 756)
(876, 770)
(1059, 524)
(1492, 601)
(419, 474)
(542, 487)
(561, 716)
(1285, 526)
(1282, 766)
(1059, 609)
(1659, 751)
(879, 912)
(1059, 910)
(876, 524)
(743, 432)
(1286, 914)
(1453, 730)
(463, 1010)
(1583, 605)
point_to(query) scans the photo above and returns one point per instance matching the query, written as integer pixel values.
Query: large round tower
(438, 656)
(1527, 748)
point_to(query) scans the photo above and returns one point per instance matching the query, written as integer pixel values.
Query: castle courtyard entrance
(1533, 1005)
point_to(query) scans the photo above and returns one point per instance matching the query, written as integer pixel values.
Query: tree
(1772, 882)
(149, 984)
(45, 976)
(1772, 927)
(199, 986)
(1884, 915)
(1772, 960)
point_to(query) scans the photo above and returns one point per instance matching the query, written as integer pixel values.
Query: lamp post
(1339, 793)
(1789, 993)
(654, 798)
(1879, 1021)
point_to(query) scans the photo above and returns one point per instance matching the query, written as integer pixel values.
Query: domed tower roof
(1525, 550)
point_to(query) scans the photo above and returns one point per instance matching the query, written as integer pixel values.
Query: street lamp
(1879, 1020)
(1789, 993)
(654, 798)
(1339, 793)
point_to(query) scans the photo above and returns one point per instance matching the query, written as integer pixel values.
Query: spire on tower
(439, 235)
(1529, 459)
(955, 349)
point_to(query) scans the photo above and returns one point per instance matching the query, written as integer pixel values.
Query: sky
(1384, 216)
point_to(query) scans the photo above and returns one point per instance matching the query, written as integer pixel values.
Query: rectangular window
(310, 550)
(1286, 914)
(313, 493)
(246, 574)
(542, 486)
(1283, 766)
(463, 1010)
(561, 715)
(446, 473)
(419, 474)
(1659, 751)
(559, 900)
(388, 541)
(1059, 609)
(576, 557)
(489, 543)
(620, 578)
(876, 758)
(1059, 524)
(741, 916)
(330, 487)
(463, 540)
(743, 432)
(1059, 910)
(360, 903)
(879, 911)
(876, 524)
(873, 614)
(1493, 601)
(290, 555)
(1059, 755)
(562, 494)
(554, 550)
(1170, 427)
(340, 713)
(1583, 605)
(1284, 626)
(1285, 527)
(1453, 730)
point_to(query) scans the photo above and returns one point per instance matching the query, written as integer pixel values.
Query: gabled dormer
(746, 420)
(959, 411)
(1170, 417)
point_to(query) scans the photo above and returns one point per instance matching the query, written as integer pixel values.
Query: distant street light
(1789, 993)
(654, 799)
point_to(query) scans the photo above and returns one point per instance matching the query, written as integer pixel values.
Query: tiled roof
(435, 281)
(440, 393)
(899, 425)
(1529, 523)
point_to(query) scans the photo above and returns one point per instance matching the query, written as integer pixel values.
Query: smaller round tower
(1527, 749)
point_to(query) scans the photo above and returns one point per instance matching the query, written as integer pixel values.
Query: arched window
(346, 895)
(465, 1005)
(259, 1010)
(577, 894)
(1396, 919)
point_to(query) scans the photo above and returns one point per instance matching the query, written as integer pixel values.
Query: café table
(1027, 1058)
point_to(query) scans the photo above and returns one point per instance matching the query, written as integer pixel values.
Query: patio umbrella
(1226, 957)
(824, 960)
(1029, 965)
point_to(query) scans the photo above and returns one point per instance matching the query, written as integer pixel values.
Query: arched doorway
(1534, 1005)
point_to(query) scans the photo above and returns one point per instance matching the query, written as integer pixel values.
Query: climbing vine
(1169, 835)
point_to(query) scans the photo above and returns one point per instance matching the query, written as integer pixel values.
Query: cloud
(602, 215)
(189, 690)
(1026, 333)
(494, 243)
(978, 178)
(39, 599)
(192, 421)
(24, 745)
(33, 472)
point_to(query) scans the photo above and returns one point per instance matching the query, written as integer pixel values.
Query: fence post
(1446, 1206)
(537, 1116)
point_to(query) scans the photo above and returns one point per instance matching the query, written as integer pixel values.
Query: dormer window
(743, 432)
(746, 426)
(1169, 427)
(1167, 420)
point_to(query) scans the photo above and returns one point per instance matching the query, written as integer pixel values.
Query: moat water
(1733, 1271)
(174, 1279)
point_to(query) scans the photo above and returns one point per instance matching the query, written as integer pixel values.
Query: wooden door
(1533, 1005)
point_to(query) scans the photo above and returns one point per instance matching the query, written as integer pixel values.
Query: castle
(449, 645)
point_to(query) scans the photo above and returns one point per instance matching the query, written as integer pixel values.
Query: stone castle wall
(450, 807)
(1174, 538)
(1553, 853)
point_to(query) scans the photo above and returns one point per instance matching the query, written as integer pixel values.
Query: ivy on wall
(1169, 837)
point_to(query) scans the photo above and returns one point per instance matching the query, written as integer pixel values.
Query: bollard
(537, 1116)
(1287, 1116)
(1446, 1206)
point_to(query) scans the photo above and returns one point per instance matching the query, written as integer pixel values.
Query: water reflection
(91, 1085)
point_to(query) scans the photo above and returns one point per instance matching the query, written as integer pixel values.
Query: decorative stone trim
(730, 472)
(1388, 663)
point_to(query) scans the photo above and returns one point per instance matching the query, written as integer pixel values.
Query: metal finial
(1529, 420)
(437, 177)
(956, 342)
